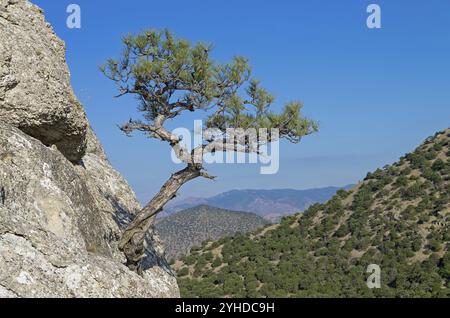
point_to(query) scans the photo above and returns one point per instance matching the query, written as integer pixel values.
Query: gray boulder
(59, 226)
(35, 91)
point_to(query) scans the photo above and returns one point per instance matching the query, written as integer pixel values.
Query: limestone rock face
(35, 91)
(59, 226)
(63, 207)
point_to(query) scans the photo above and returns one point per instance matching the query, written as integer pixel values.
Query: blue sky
(376, 93)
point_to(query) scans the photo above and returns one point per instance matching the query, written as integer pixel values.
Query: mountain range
(269, 204)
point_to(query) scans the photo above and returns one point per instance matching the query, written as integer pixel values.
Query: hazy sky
(376, 93)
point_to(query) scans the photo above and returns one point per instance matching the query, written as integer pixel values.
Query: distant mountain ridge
(269, 204)
(185, 229)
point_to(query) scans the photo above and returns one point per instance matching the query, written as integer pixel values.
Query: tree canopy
(170, 76)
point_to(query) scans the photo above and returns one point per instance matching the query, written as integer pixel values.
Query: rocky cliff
(62, 205)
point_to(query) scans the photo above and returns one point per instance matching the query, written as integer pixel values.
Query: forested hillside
(191, 227)
(398, 218)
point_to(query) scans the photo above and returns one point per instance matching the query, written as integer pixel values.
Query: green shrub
(183, 272)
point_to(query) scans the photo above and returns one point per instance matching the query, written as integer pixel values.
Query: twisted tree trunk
(133, 238)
